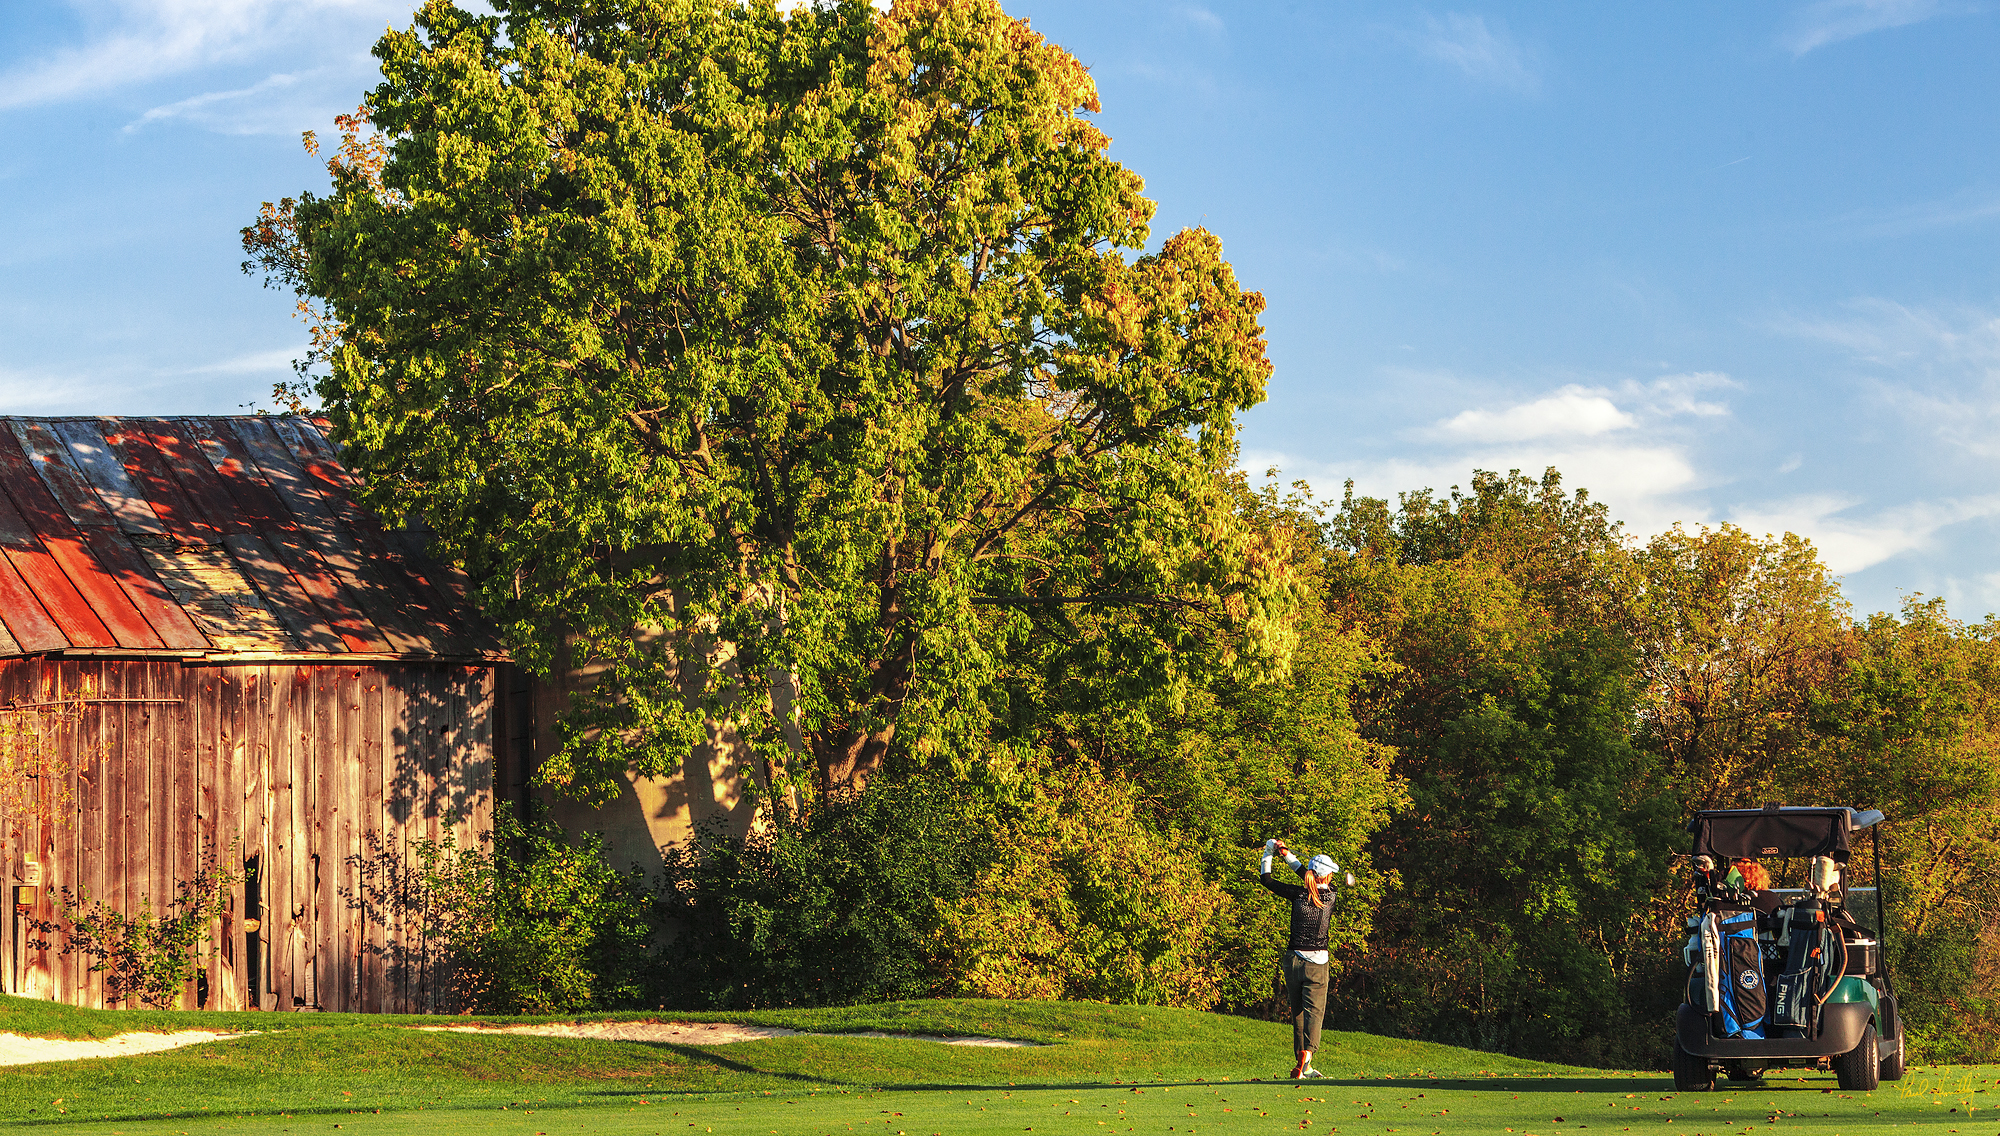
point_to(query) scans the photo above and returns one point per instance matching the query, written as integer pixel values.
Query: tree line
(819, 372)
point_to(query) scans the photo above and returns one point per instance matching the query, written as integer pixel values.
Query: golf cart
(1786, 976)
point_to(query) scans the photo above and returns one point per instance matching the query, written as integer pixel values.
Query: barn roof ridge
(225, 538)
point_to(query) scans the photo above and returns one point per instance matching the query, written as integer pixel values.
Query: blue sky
(1715, 262)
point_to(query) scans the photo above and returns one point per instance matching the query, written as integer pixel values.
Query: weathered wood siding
(321, 775)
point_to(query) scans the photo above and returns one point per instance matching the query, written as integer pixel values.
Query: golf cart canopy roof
(1730, 834)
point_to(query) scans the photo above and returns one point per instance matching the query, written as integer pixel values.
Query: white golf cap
(1322, 865)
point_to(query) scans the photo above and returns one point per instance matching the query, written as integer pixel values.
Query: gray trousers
(1305, 989)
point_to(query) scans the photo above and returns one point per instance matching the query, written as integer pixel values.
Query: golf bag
(1739, 980)
(1810, 967)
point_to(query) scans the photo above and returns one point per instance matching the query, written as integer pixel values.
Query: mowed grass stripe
(1099, 1069)
(1346, 1106)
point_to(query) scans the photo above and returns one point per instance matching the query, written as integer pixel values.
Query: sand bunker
(702, 1033)
(18, 1050)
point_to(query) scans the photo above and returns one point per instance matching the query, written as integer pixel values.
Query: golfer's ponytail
(1312, 890)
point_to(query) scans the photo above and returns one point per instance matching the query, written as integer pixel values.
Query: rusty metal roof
(211, 537)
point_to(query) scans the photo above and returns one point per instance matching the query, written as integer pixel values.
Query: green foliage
(537, 922)
(145, 956)
(838, 905)
(1535, 834)
(742, 355)
(1085, 901)
(1912, 726)
(1737, 635)
(1248, 759)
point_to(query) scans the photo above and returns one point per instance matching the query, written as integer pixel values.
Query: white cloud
(137, 41)
(1830, 21)
(1938, 368)
(1672, 396)
(221, 110)
(1202, 18)
(1961, 209)
(1484, 53)
(1628, 444)
(1850, 542)
(1570, 412)
(255, 362)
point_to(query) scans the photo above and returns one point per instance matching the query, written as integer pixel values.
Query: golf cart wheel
(1892, 1061)
(1860, 1068)
(1692, 1074)
(1742, 1071)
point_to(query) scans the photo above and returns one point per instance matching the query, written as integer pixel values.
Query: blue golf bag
(1740, 977)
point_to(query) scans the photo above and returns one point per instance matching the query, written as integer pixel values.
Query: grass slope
(1100, 1069)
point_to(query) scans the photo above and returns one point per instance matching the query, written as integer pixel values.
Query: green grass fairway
(1099, 1069)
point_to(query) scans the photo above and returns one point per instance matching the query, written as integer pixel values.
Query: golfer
(1305, 953)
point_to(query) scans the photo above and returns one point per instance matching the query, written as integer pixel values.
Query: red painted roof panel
(64, 542)
(45, 578)
(196, 534)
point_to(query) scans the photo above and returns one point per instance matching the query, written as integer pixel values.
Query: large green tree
(799, 370)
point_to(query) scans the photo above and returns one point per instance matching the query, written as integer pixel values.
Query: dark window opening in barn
(253, 925)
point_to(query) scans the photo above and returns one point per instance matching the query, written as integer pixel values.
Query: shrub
(149, 957)
(1087, 902)
(532, 922)
(835, 906)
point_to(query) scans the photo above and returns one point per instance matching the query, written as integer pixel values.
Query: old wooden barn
(210, 648)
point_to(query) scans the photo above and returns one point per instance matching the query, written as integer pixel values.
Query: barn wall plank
(15, 681)
(185, 812)
(372, 817)
(258, 804)
(114, 816)
(155, 763)
(10, 865)
(286, 840)
(58, 971)
(98, 737)
(38, 974)
(326, 843)
(225, 789)
(353, 826)
(304, 944)
(14, 835)
(395, 811)
(10, 851)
